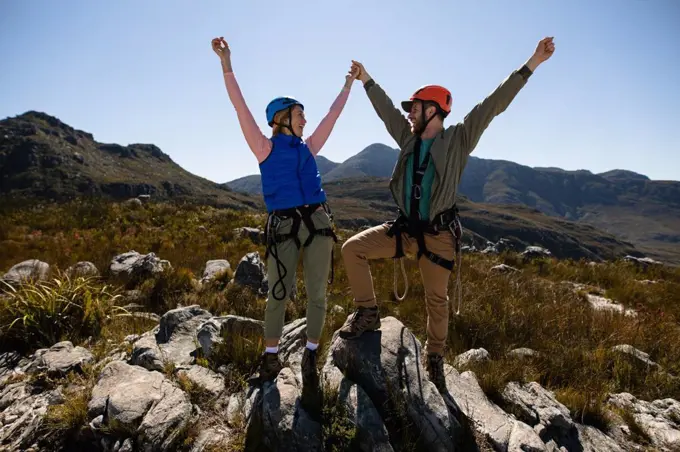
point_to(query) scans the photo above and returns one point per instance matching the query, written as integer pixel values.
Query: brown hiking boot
(270, 366)
(435, 370)
(311, 392)
(363, 319)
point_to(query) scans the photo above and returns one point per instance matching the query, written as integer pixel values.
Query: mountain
(624, 203)
(252, 184)
(42, 157)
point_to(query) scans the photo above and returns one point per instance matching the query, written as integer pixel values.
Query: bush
(40, 314)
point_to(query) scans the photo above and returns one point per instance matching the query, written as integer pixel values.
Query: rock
(173, 340)
(391, 358)
(11, 364)
(143, 402)
(214, 329)
(144, 198)
(30, 270)
(537, 405)
(371, 433)
(642, 262)
(535, 252)
(60, 359)
(203, 378)
(473, 356)
(254, 234)
(659, 419)
(635, 353)
(211, 437)
(132, 266)
(502, 268)
(605, 304)
(133, 202)
(82, 269)
(504, 431)
(287, 427)
(251, 272)
(213, 268)
(523, 352)
(23, 409)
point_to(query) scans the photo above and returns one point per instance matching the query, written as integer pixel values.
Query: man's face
(416, 118)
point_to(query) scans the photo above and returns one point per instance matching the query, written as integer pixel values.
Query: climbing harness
(301, 214)
(414, 226)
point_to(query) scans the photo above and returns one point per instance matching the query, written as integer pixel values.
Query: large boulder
(27, 271)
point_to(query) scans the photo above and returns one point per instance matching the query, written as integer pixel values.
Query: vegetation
(531, 308)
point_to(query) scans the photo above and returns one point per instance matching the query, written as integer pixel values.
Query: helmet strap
(290, 121)
(423, 107)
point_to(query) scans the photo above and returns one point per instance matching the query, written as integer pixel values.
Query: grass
(531, 308)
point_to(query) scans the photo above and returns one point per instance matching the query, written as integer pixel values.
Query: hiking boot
(363, 319)
(435, 370)
(311, 392)
(270, 366)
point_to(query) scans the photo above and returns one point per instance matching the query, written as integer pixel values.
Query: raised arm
(318, 138)
(259, 144)
(479, 118)
(395, 122)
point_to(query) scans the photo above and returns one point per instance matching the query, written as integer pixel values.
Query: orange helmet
(431, 93)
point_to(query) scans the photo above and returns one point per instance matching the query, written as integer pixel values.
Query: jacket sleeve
(395, 122)
(479, 118)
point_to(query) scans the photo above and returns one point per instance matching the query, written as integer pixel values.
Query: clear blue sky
(143, 71)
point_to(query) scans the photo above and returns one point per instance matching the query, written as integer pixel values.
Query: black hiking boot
(363, 319)
(311, 392)
(270, 366)
(435, 370)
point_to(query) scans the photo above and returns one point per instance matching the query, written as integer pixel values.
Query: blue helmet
(278, 104)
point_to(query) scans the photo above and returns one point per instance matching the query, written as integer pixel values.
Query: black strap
(299, 215)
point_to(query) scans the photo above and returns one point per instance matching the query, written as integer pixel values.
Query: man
(425, 193)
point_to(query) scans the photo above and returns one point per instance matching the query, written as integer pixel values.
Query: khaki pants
(316, 262)
(373, 243)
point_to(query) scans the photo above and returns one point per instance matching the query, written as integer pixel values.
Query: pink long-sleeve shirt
(259, 144)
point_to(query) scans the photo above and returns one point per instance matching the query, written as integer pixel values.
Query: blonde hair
(281, 117)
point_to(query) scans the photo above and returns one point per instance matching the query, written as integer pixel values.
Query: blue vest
(290, 177)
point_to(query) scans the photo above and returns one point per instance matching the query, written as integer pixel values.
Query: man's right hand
(363, 75)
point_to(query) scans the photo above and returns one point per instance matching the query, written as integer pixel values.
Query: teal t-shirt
(426, 183)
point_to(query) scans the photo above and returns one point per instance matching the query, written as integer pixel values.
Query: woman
(296, 204)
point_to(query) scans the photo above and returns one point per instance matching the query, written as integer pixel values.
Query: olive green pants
(316, 262)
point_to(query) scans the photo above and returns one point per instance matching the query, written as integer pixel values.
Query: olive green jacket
(451, 148)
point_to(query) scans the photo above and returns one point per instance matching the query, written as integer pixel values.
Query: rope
(403, 272)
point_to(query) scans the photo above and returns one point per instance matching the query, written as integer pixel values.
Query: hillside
(620, 202)
(42, 157)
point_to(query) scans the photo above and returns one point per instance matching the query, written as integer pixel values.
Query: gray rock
(174, 340)
(535, 252)
(141, 401)
(211, 437)
(22, 414)
(60, 359)
(537, 405)
(30, 270)
(82, 269)
(132, 265)
(214, 329)
(634, 352)
(213, 268)
(474, 356)
(391, 358)
(254, 234)
(504, 431)
(371, 433)
(251, 272)
(659, 419)
(523, 352)
(204, 378)
(502, 268)
(287, 427)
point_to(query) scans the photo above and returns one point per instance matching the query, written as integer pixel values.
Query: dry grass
(531, 308)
